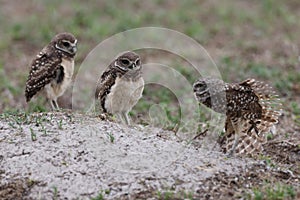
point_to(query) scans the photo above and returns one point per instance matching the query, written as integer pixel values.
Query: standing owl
(250, 108)
(121, 86)
(52, 69)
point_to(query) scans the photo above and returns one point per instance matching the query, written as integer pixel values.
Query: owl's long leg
(126, 117)
(120, 118)
(236, 126)
(236, 140)
(52, 103)
(56, 105)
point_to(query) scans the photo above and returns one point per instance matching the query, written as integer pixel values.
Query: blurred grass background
(257, 39)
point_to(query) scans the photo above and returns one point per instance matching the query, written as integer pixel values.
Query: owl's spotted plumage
(52, 69)
(250, 108)
(121, 85)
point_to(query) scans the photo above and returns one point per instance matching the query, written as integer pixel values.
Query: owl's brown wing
(43, 71)
(107, 80)
(242, 102)
(267, 99)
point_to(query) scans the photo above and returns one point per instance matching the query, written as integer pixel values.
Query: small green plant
(98, 197)
(107, 191)
(30, 182)
(166, 195)
(37, 121)
(60, 124)
(269, 136)
(11, 124)
(55, 193)
(170, 194)
(111, 137)
(33, 135)
(101, 195)
(44, 130)
(286, 135)
(258, 195)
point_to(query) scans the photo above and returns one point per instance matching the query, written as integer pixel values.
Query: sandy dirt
(73, 156)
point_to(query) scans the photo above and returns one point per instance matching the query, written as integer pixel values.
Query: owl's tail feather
(271, 105)
(249, 143)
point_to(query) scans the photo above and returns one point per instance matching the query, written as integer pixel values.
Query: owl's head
(65, 42)
(128, 61)
(205, 88)
(201, 91)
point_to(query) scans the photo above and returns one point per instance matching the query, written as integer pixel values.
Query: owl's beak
(132, 66)
(74, 49)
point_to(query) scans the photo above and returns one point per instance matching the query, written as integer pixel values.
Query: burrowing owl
(250, 108)
(52, 69)
(121, 85)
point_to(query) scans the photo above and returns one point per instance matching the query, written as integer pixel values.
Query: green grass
(268, 160)
(205, 22)
(101, 195)
(37, 122)
(295, 107)
(170, 194)
(281, 80)
(167, 102)
(278, 191)
(98, 197)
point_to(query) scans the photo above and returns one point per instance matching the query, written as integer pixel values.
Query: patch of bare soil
(69, 156)
(285, 152)
(15, 189)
